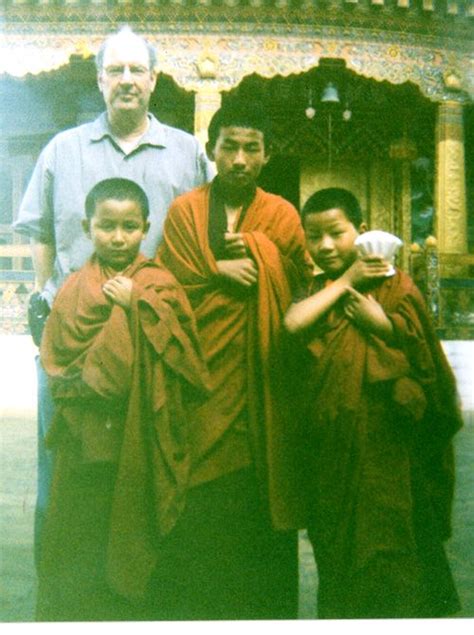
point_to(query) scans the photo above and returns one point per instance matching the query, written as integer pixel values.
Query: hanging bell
(330, 94)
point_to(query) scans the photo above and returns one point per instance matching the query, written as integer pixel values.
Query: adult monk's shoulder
(278, 219)
(197, 196)
(185, 222)
(280, 215)
(276, 202)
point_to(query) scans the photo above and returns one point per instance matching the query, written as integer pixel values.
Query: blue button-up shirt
(167, 162)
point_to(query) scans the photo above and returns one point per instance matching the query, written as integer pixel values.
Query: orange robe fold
(238, 425)
(123, 382)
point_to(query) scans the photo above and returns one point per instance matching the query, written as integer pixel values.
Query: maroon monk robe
(239, 331)
(379, 420)
(123, 382)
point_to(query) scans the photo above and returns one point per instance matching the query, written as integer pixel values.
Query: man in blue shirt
(125, 141)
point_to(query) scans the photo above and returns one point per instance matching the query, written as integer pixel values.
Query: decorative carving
(432, 279)
(83, 50)
(207, 65)
(451, 193)
(14, 306)
(227, 59)
(452, 80)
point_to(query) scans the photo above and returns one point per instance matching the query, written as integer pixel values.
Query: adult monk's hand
(235, 245)
(243, 271)
(119, 290)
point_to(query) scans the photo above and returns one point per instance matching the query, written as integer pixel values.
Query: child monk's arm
(367, 313)
(303, 314)
(119, 290)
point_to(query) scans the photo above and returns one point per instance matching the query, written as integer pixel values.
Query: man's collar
(154, 136)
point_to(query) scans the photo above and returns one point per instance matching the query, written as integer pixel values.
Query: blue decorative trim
(17, 276)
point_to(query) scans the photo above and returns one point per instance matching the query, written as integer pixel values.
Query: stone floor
(17, 495)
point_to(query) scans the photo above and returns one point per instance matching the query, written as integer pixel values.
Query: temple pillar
(403, 152)
(450, 189)
(206, 102)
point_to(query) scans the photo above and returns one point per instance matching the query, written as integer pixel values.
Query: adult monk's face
(240, 155)
(126, 80)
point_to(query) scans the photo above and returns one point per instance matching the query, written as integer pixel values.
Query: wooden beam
(15, 251)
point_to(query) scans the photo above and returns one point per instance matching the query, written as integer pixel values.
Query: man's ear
(146, 228)
(86, 227)
(99, 81)
(362, 228)
(210, 152)
(268, 150)
(154, 77)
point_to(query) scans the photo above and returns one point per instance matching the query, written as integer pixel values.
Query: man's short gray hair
(99, 58)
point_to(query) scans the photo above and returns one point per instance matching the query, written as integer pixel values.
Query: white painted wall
(18, 373)
(17, 376)
(461, 358)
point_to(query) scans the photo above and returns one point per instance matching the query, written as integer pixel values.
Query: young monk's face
(116, 230)
(240, 155)
(330, 237)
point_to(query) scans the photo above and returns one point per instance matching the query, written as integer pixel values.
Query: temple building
(372, 95)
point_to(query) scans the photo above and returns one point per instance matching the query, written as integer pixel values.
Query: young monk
(237, 251)
(379, 403)
(121, 355)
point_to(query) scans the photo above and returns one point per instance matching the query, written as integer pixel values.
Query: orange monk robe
(123, 382)
(238, 425)
(380, 418)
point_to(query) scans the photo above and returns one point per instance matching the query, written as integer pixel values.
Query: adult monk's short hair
(242, 114)
(334, 198)
(118, 190)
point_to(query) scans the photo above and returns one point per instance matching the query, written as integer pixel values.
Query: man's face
(116, 229)
(125, 80)
(240, 155)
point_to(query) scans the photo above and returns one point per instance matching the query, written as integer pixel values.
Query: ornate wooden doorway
(368, 137)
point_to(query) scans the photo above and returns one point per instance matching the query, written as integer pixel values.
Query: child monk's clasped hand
(119, 291)
(366, 312)
(366, 268)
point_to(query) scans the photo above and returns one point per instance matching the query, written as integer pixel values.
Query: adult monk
(237, 251)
